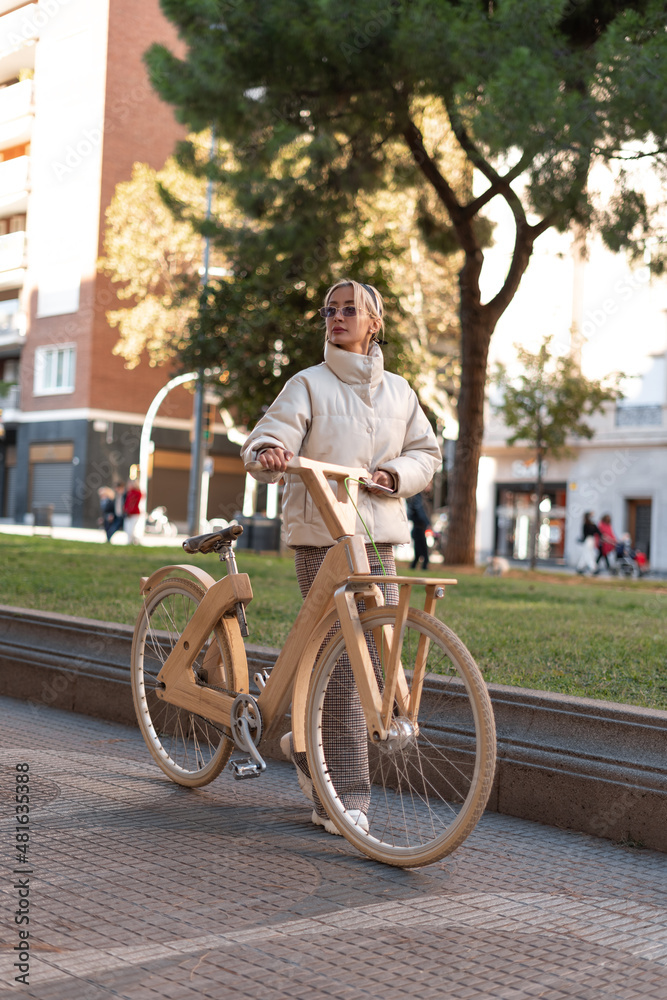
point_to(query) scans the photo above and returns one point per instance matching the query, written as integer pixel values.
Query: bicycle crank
(247, 732)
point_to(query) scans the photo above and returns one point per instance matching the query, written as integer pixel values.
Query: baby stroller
(626, 562)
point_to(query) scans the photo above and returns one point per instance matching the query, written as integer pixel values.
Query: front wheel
(190, 749)
(413, 799)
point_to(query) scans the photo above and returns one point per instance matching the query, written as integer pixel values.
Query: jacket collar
(355, 369)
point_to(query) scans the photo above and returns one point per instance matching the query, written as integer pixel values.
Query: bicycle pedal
(244, 769)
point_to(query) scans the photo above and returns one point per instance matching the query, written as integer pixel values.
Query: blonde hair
(367, 301)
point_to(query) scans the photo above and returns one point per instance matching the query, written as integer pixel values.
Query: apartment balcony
(12, 260)
(16, 113)
(14, 185)
(10, 404)
(19, 28)
(12, 324)
(16, 101)
(6, 5)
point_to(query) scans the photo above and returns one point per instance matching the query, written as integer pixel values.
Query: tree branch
(475, 206)
(627, 156)
(499, 183)
(429, 168)
(523, 248)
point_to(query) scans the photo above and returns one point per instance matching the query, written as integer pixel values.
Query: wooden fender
(203, 578)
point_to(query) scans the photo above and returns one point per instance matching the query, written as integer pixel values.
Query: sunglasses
(328, 312)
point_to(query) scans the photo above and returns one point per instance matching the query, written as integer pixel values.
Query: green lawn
(598, 638)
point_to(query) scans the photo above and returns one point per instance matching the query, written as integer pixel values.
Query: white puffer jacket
(348, 411)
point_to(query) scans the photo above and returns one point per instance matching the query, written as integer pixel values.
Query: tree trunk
(535, 530)
(477, 327)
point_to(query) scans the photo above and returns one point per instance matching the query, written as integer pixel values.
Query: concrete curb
(592, 766)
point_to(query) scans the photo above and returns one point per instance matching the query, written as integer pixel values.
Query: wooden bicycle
(393, 683)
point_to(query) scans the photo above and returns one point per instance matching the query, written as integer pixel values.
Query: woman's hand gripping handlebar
(337, 510)
(278, 460)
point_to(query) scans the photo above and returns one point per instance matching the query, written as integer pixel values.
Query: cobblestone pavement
(142, 890)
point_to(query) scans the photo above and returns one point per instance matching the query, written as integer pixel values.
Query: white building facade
(613, 316)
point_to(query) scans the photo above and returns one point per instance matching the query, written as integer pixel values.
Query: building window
(639, 416)
(54, 370)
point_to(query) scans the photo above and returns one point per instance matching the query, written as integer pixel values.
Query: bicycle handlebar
(338, 514)
(296, 466)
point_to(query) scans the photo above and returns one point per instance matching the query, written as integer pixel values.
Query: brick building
(76, 111)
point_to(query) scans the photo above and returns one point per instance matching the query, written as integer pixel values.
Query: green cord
(350, 479)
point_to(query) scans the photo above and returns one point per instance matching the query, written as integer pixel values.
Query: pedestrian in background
(116, 511)
(589, 545)
(606, 542)
(106, 496)
(419, 515)
(132, 511)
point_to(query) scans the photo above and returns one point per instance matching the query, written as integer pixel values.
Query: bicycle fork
(391, 713)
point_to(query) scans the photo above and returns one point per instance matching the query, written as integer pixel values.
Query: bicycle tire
(190, 749)
(424, 792)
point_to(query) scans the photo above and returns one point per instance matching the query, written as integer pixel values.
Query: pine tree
(315, 97)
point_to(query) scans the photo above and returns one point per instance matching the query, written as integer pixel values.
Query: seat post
(226, 555)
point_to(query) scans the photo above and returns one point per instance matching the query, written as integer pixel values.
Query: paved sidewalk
(144, 890)
(93, 535)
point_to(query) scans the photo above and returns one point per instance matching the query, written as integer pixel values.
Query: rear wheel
(190, 749)
(422, 791)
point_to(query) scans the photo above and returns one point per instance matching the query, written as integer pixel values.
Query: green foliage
(556, 84)
(153, 254)
(549, 401)
(325, 104)
(258, 325)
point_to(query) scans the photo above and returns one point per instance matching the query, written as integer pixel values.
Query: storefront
(515, 516)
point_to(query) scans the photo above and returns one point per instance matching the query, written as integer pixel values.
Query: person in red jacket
(132, 511)
(606, 542)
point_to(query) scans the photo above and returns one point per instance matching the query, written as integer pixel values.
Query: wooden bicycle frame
(343, 577)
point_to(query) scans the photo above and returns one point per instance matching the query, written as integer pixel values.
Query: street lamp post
(197, 460)
(145, 440)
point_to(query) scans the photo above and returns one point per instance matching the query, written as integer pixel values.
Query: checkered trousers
(344, 732)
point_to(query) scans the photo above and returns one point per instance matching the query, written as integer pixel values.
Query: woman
(346, 411)
(132, 511)
(589, 535)
(606, 542)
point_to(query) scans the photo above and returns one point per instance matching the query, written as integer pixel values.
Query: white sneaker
(305, 784)
(356, 815)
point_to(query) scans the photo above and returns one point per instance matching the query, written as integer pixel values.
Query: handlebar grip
(299, 466)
